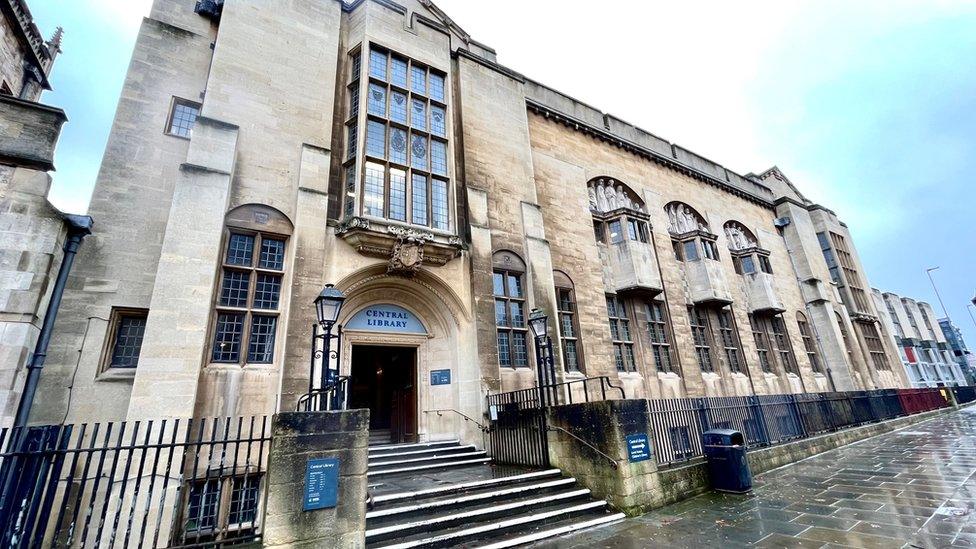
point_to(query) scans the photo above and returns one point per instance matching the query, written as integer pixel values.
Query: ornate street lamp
(546, 375)
(330, 394)
(327, 306)
(539, 323)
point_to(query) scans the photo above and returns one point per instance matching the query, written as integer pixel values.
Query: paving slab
(911, 488)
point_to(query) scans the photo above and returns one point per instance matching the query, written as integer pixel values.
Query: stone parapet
(296, 438)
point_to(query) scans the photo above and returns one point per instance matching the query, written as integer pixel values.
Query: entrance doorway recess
(384, 379)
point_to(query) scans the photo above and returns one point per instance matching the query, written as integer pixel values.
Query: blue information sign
(638, 447)
(385, 317)
(321, 483)
(440, 377)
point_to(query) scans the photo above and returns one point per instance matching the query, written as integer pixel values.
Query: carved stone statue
(739, 237)
(592, 195)
(683, 219)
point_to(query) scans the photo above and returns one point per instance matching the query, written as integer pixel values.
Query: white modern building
(925, 353)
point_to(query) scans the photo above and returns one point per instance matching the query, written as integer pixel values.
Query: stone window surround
(565, 284)
(248, 310)
(105, 369)
(809, 344)
(703, 240)
(602, 221)
(508, 263)
(174, 101)
(667, 331)
(357, 123)
(629, 360)
(759, 256)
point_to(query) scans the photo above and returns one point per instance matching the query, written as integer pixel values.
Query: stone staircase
(446, 494)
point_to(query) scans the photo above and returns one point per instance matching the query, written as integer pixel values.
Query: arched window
(690, 236)
(249, 300)
(846, 337)
(747, 256)
(508, 287)
(569, 335)
(809, 345)
(618, 212)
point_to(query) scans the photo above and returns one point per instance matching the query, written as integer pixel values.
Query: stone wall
(31, 238)
(296, 438)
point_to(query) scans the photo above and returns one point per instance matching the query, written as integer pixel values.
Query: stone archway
(448, 343)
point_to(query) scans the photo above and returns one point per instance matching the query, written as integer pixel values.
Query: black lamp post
(546, 375)
(328, 304)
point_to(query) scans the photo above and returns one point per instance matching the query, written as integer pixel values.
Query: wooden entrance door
(384, 379)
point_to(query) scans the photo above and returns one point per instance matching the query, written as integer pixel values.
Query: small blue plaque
(321, 483)
(638, 447)
(440, 377)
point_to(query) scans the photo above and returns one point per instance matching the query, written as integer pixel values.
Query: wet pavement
(911, 488)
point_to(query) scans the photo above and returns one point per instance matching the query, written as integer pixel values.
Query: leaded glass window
(623, 343)
(659, 336)
(405, 143)
(761, 337)
(730, 341)
(510, 316)
(569, 329)
(128, 332)
(182, 118)
(808, 343)
(702, 338)
(783, 349)
(249, 298)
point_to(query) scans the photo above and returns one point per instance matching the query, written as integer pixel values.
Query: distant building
(925, 351)
(960, 352)
(25, 57)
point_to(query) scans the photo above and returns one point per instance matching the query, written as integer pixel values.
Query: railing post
(703, 415)
(761, 419)
(804, 432)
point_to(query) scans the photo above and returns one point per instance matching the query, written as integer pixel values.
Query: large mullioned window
(569, 334)
(405, 176)
(809, 345)
(249, 299)
(702, 338)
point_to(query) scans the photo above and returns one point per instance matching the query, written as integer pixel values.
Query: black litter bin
(728, 468)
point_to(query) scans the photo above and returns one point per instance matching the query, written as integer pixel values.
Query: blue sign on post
(638, 447)
(321, 483)
(440, 377)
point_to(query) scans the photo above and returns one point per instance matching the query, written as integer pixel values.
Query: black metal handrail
(334, 396)
(529, 398)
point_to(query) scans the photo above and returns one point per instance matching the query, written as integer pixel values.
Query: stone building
(922, 346)
(26, 58)
(960, 351)
(258, 154)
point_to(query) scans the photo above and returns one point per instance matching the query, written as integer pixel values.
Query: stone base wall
(636, 488)
(296, 438)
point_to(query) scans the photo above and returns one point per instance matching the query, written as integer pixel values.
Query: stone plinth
(296, 438)
(605, 425)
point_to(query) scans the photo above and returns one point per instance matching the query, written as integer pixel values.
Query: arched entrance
(403, 340)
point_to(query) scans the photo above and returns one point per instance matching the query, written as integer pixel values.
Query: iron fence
(163, 483)
(964, 394)
(767, 420)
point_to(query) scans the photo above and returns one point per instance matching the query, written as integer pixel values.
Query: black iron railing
(165, 483)
(964, 394)
(768, 420)
(334, 396)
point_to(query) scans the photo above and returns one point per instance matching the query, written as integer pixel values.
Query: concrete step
(432, 506)
(453, 489)
(536, 533)
(443, 455)
(428, 466)
(491, 530)
(380, 449)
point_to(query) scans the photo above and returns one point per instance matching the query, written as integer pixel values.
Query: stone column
(297, 437)
(173, 352)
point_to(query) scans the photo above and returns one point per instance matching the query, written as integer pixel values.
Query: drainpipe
(79, 226)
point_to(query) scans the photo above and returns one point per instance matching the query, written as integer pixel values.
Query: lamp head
(539, 323)
(328, 304)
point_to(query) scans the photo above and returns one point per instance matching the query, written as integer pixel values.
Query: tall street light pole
(939, 296)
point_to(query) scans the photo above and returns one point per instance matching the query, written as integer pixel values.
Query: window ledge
(117, 374)
(629, 375)
(406, 246)
(668, 375)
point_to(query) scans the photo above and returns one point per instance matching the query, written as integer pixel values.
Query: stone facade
(925, 354)
(287, 108)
